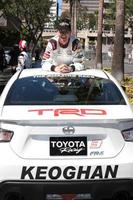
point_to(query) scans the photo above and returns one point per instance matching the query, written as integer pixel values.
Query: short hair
(64, 25)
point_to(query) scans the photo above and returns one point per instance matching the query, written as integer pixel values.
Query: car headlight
(128, 134)
(5, 135)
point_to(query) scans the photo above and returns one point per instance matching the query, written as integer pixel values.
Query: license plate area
(68, 146)
(86, 196)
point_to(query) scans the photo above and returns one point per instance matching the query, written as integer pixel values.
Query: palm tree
(73, 14)
(119, 51)
(99, 35)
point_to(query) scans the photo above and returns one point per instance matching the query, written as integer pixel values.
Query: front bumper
(33, 190)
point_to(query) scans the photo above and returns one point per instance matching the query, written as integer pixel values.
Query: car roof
(88, 72)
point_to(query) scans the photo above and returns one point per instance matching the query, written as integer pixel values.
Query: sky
(60, 2)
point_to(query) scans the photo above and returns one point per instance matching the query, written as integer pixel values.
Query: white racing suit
(71, 54)
(24, 61)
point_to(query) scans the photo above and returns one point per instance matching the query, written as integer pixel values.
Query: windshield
(65, 90)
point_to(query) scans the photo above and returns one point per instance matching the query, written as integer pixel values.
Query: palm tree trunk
(73, 11)
(119, 51)
(99, 35)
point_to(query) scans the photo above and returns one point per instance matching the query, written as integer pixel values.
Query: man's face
(64, 37)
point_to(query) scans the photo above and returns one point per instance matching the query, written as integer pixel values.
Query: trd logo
(69, 111)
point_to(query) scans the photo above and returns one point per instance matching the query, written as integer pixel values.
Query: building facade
(53, 15)
(91, 5)
(53, 9)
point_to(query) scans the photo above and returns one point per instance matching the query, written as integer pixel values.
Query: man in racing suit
(63, 52)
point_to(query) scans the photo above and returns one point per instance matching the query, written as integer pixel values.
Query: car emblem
(68, 130)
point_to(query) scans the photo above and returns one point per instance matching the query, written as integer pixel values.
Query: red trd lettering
(40, 111)
(68, 111)
(93, 112)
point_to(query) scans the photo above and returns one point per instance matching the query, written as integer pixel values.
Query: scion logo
(68, 130)
(68, 146)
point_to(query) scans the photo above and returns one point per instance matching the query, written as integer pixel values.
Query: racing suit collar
(64, 46)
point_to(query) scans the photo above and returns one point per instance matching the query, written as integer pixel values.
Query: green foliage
(129, 12)
(32, 15)
(9, 37)
(109, 15)
(86, 20)
(30, 12)
(129, 7)
(93, 20)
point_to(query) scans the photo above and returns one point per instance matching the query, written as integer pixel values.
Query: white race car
(65, 136)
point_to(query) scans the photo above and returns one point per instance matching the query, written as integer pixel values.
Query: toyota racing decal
(69, 172)
(69, 111)
(68, 146)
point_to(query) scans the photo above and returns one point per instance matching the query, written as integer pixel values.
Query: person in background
(63, 52)
(37, 54)
(2, 58)
(24, 58)
(14, 58)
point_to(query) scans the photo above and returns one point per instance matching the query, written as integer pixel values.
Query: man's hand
(63, 68)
